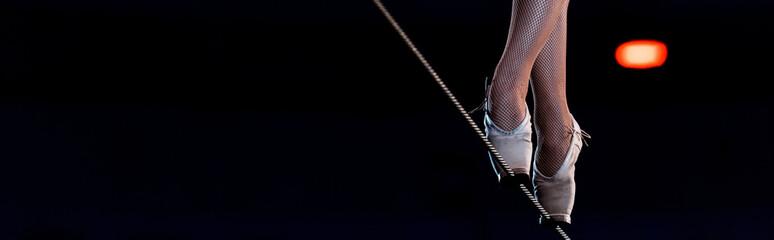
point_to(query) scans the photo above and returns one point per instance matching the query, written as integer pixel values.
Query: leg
(559, 136)
(553, 121)
(531, 25)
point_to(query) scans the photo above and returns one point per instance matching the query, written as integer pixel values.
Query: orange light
(641, 54)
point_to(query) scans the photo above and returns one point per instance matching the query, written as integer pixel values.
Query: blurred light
(641, 54)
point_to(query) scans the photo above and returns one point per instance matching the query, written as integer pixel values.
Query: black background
(207, 119)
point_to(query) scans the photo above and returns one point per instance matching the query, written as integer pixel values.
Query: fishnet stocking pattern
(536, 47)
(553, 122)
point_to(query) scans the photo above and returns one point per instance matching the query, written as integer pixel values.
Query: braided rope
(465, 114)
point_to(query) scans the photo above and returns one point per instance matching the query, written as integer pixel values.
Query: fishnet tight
(536, 46)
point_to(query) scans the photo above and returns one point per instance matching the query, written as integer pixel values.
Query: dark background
(169, 119)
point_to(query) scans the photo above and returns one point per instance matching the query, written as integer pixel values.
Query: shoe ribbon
(582, 135)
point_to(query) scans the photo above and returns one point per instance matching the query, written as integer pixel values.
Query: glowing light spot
(641, 54)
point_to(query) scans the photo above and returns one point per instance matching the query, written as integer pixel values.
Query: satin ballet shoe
(557, 193)
(515, 147)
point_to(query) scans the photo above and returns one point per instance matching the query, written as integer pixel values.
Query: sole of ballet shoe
(562, 221)
(520, 176)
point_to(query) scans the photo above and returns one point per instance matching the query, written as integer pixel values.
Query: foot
(515, 147)
(557, 193)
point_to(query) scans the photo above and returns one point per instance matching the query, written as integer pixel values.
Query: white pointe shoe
(515, 147)
(557, 193)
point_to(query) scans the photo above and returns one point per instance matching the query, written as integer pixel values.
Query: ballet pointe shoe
(557, 193)
(515, 147)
